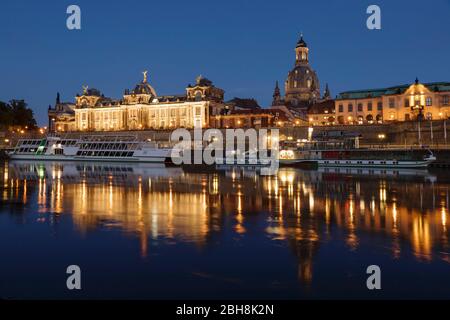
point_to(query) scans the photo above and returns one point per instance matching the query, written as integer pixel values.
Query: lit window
(428, 101)
(445, 100)
(391, 103)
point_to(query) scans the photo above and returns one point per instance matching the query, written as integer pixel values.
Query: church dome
(302, 84)
(302, 77)
(144, 88)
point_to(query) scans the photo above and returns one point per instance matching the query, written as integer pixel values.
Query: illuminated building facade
(302, 87)
(61, 117)
(142, 108)
(260, 118)
(429, 101)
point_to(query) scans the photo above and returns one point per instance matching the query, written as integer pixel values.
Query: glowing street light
(310, 132)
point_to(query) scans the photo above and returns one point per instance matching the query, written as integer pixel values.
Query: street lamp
(418, 108)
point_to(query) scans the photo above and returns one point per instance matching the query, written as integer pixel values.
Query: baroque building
(142, 108)
(61, 117)
(302, 87)
(429, 101)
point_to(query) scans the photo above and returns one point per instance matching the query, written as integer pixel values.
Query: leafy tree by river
(16, 113)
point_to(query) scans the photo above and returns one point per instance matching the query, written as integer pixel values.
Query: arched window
(308, 83)
(198, 96)
(360, 119)
(428, 101)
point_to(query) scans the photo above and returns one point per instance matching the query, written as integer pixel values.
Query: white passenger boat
(90, 148)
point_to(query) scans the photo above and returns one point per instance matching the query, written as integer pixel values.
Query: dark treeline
(15, 113)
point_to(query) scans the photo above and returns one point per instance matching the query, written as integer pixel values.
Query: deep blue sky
(242, 45)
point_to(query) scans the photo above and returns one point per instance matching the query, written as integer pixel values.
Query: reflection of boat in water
(90, 171)
(342, 150)
(90, 148)
(381, 172)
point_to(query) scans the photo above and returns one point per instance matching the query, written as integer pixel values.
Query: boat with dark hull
(344, 151)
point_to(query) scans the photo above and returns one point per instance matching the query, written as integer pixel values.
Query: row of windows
(30, 150)
(360, 107)
(66, 142)
(108, 146)
(26, 150)
(358, 162)
(31, 142)
(152, 113)
(105, 154)
(392, 104)
(428, 102)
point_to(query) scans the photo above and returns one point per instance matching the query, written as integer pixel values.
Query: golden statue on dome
(145, 75)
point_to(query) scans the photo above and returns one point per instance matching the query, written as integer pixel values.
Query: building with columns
(142, 108)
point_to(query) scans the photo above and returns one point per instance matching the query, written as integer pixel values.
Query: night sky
(243, 46)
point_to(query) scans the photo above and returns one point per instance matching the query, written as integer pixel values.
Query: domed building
(141, 108)
(302, 87)
(143, 92)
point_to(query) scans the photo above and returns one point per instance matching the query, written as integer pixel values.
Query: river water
(150, 232)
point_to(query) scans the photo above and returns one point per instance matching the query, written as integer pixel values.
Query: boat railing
(434, 146)
(109, 138)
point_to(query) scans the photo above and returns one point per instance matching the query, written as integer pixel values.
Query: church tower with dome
(302, 87)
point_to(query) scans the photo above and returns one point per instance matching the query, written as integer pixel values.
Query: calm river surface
(146, 231)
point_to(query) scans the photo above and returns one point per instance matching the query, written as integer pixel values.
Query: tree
(5, 115)
(16, 113)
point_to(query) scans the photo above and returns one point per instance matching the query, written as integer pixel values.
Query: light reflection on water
(402, 214)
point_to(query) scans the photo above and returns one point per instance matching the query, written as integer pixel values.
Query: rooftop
(373, 93)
